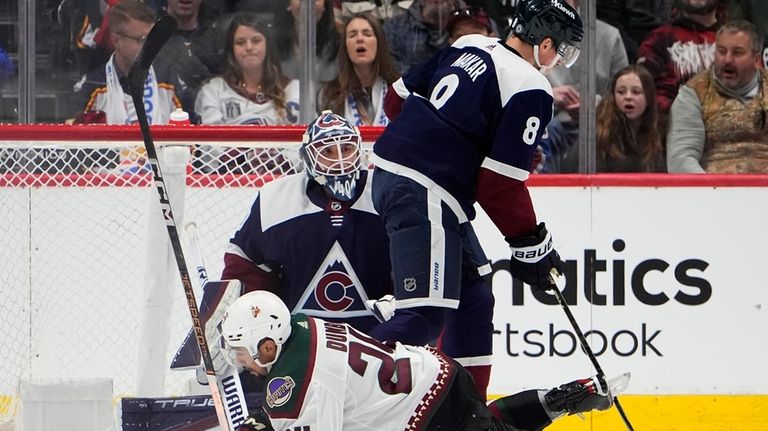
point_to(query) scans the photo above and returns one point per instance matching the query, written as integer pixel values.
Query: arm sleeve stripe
(401, 89)
(505, 170)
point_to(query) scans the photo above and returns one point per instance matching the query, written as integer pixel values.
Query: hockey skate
(584, 395)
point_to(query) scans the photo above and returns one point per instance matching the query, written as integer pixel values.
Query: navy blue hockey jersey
(328, 256)
(476, 104)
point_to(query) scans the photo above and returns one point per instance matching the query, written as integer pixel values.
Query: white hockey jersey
(331, 377)
(218, 103)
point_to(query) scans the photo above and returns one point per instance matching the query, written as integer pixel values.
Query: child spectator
(366, 70)
(627, 137)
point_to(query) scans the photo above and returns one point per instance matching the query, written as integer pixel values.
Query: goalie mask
(252, 319)
(330, 150)
(536, 20)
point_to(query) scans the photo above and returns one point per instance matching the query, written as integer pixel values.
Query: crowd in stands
(675, 92)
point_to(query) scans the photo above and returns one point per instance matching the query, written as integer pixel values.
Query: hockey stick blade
(156, 39)
(585, 347)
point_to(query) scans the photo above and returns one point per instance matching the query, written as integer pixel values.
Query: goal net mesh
(89, 283)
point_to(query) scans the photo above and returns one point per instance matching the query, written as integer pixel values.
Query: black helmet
(536, 20)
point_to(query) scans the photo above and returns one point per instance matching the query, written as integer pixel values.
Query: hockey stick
(228, 376)
(588, 350)
(157, 37)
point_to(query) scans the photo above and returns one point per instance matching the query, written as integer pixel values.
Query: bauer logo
(279, 391)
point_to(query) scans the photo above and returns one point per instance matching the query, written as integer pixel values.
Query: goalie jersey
(478, 102)
(313, 251)
(330, 377)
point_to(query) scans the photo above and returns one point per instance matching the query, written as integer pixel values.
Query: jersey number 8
(445, 88)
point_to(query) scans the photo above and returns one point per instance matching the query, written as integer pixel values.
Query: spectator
(627, 137)
(252, 90)
(190, 54)
(718, 120)
(676, 51)
(366, 71)
(560, 147)
(89, 31)
(286, 27)
(104, 91)
(415, 36)
(105, 94)
(468, 20)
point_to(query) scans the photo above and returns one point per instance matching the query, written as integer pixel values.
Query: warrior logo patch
(279, 391)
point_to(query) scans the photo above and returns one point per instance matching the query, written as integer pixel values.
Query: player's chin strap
(544, 69)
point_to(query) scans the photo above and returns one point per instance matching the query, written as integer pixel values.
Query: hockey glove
(383, 308)
(533, 257)
(257, 421)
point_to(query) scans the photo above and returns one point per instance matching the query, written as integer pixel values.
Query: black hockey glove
(257, 421)
(533, 257)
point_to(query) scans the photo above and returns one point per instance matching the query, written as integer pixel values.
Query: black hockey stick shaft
(157, 37)
(587, 349)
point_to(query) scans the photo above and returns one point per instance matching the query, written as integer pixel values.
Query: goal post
(89, 284)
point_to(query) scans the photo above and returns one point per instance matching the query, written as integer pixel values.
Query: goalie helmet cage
(87, 288)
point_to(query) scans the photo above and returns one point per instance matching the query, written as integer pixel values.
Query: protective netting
(89, 284)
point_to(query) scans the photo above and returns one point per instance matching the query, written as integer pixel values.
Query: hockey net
(89, 285)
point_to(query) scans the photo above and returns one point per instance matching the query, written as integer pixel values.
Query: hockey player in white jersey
(327, 376)
(471, 120)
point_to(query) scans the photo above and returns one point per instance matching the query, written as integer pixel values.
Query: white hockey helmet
(252, 319)
(330, 150)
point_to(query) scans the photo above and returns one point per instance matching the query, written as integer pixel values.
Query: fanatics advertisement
(667, 283)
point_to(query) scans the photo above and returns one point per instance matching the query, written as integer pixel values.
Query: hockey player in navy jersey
(329, 376)
(471, 119)
(316, 241)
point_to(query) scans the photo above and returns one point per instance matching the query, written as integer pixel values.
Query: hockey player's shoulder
(284, 199)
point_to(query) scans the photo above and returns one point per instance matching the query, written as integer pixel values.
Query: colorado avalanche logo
(331, 291)
(334, 290)
(279, 391)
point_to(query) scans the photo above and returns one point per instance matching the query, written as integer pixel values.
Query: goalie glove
(383, 308)
(533, 258)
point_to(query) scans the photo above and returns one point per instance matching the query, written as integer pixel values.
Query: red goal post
(90, 287)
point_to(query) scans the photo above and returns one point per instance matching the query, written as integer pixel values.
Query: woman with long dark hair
(252, 90)
(366, 70)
